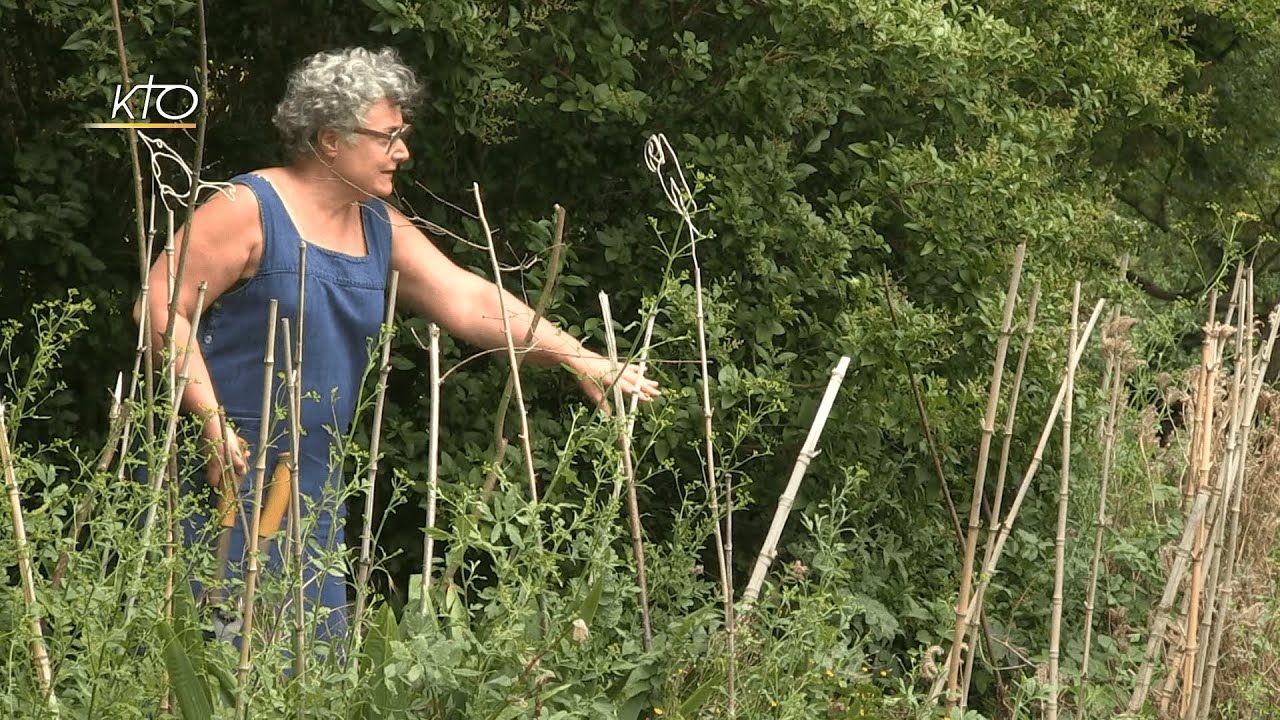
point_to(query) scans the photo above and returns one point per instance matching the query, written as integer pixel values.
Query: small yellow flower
(830, 674)
(884, 673)
(866, 669)
(659, 711)
(773, 703)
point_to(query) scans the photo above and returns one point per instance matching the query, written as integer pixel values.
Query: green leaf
(190, 690)
(690, 706)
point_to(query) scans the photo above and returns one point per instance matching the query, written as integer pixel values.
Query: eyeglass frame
(391, 137)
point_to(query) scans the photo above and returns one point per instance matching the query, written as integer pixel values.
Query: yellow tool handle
(277, 496)
(227, 502)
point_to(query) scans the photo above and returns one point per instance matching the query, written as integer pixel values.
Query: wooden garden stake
(375, 441)
(629, 474)
(808, 451)
(1060, 539)
(251, 572)
(975, 505)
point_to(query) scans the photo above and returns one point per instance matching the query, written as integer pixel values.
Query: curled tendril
(657, 151)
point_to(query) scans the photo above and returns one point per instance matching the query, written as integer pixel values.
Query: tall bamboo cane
(433, 466)
(657, 153)
(975, 504)
(1060, 539)
(1160, 617)
(629, 475)
(260, 474)
(298, 600)
(769, 550)
(144, 245)
(375, 441)
(1115, 377)
(39, 654)
(1221, 492)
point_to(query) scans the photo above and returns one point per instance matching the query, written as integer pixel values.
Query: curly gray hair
(336, 89)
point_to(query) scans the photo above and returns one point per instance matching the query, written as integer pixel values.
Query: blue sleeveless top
(345, 300)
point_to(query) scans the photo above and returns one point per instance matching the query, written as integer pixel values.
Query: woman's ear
(327, 140)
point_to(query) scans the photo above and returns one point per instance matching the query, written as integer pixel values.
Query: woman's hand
(226, 453)
(596, 375)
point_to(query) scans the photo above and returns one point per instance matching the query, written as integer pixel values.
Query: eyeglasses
(398, 134)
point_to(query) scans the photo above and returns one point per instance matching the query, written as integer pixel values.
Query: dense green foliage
(834, 141)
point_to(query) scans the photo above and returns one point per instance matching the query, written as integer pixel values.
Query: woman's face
(370, 162)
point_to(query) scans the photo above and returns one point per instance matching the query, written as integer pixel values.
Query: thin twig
(526, 440)
(924, 414)
(657, 152)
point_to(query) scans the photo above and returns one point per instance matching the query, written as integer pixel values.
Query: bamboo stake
(526, 441)
(1159, 618)
(712, 491)
(433, 465)
(251, 574)
(375, 440)
(294, 553)
(1116, 376)
(1060, 539)
(808, 451)
(40, 655)
(1011, 414)
(642, 366)
(975, 504)
(144, 245)
(629, 475)
(1204, 463)
(1006, 525)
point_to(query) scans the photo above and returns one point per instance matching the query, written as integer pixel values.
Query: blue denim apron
(345, 300)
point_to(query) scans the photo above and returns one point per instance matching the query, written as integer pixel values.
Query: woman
(343, 122)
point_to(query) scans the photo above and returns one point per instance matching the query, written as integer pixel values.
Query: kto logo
(174, 103)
